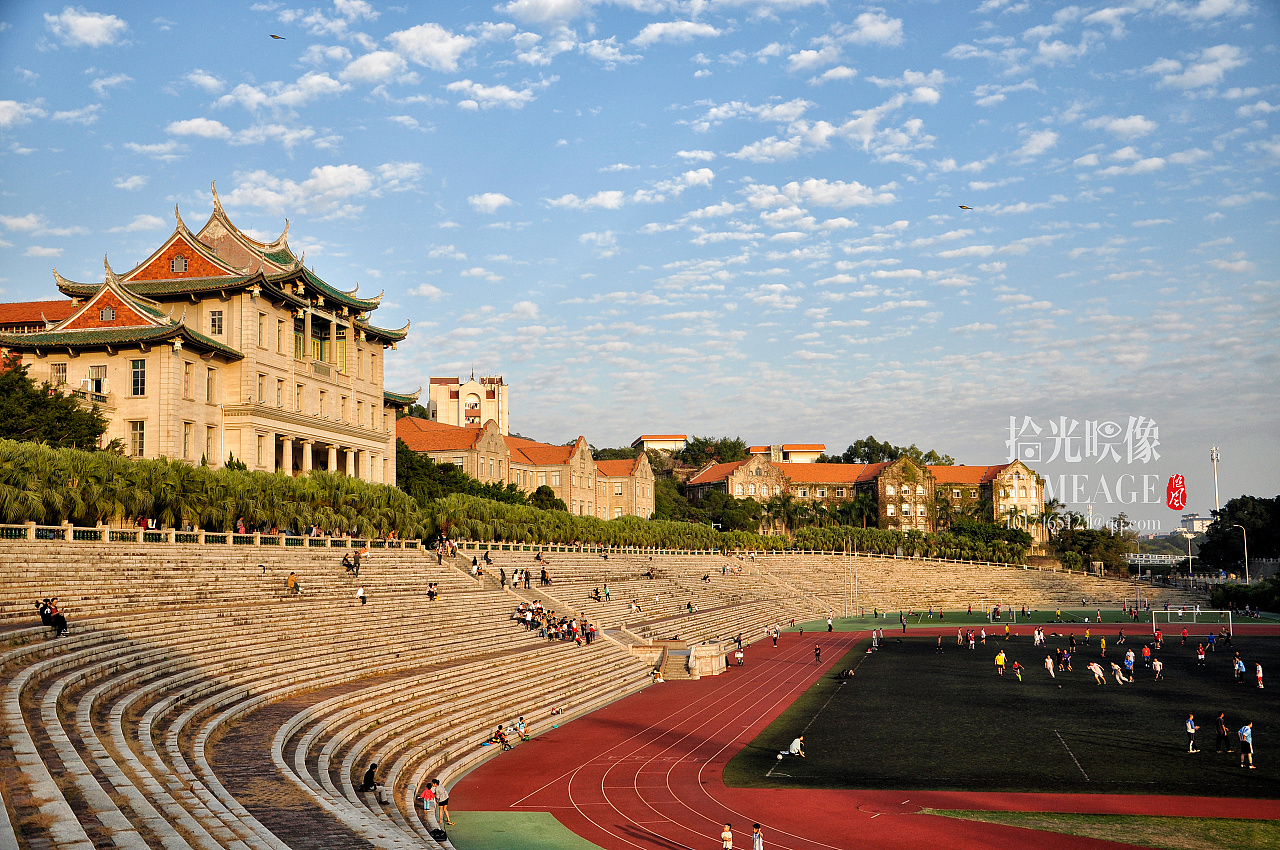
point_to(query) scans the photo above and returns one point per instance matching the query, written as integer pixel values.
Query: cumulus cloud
(40, 251)
(141, 224)
(13, 113)
(374, 67)
(85, 115)
(874, 27)
(1036, 144)
(607, 200)
(427, 291)
(1132, 127)
(674, 32)
(132, 182)
(102, 84)
(839, 72)
(211, 83)
(311, 86)
(1209, 69)
(480, 96)
(327, 190)
(76, 27)
(205, 128)
(489, 202)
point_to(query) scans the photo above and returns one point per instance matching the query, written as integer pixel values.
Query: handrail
(68, 533)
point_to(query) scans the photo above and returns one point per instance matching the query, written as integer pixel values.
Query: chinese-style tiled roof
(384, 333)
(422, 435)
(617, 468)
(966, 474)
(716, 472)
(153, 288)
(116, 337)
(329, 291)
(404, 399)
(25, 313)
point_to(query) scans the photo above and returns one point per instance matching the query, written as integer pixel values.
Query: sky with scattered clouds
(742, 217)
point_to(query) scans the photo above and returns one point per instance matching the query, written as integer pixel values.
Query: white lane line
(1073, 756)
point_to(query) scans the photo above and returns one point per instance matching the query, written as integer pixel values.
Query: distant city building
(790, 452)
(1195, 523)
(601, 488)
(219, 344)
(660, 442)
(471, 402)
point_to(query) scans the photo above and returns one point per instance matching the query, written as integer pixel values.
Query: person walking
(1048, 665)
(757, 837)
(817, 654)
(1158, 666)
(1000, 662)
(1224, 733)
(726, 837)
(829, 623)
(1246, 745)
(1191, 733)
(1258, 671)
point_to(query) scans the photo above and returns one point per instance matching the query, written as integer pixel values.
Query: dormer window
(107, 314)
(178, 265)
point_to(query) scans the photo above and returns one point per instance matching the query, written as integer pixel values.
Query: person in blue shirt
(1191, 733)
(1246, 745)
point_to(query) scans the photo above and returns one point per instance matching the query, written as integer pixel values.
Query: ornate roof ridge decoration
(181, 230)
(115, 337)
(265, 250)
(394, 335)
(403, 398)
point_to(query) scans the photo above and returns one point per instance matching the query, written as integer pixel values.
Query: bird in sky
(273, 35)
(963, 207)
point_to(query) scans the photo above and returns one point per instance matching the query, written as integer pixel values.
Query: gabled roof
(207, 262)
(969, 475)
(716, 472)
(539, 454)
(422, 435)
(35, 312)
(830, 473)
(622, 468)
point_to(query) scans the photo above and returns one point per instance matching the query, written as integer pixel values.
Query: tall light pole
(1213, 456)
(1246, 552)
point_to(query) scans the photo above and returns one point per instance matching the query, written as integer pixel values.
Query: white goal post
(1180, 618)
(1008, 614)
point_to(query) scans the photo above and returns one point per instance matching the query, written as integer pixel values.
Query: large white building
(469, 403)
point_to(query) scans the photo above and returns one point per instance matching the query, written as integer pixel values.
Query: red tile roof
(422, 435)
(444, 380)
(31, 312)
(716, 472)
(967, 474)
(830, 473)
(617, 468)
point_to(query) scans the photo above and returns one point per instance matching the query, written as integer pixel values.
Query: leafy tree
(544, 498)
(415, 410)
(426, 480)
(1223, 546)
(1094, 544)
(872, 450)
(621, 453)
(44, 414)
(670, 503)
(729, 513)
(699, 451)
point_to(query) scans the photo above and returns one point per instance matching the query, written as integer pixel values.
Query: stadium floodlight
(1246, 552)
(1192, 617)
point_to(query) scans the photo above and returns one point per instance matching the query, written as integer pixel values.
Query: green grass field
(1069, 617)
(912, 718)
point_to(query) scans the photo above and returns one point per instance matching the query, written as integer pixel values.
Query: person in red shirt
(1184, 637)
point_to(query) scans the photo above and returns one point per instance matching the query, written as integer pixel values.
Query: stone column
(306, 455)
(351, 462)
(333, 458)
(286, 449)
(306, 338)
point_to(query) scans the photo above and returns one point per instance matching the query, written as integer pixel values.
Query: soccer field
(912, 718)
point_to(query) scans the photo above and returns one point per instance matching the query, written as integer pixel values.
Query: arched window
(739, 489)
(751, 490)
(178, 264)
(1022, 492)
(889, 491)
(919, 489)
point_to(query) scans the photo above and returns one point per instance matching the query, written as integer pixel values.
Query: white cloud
(163, 151)
(524, 310)
(22, 223)
(608, 200)
(374, 67)
(328, 189)
(1152, 222)
(479, 96)
(696, 156)
(427, 291)
(1132, 127)
(13, 113)
(874, 27)
(399, 176)
(542, 11)
(205, 80)
(1237, 266)
(973, 327)
(85, 115)
(839, 72)
(1259, 108)
(968, 251)
(674, 32)
(1036, 144)
(141, 224)
(205, 128)
(1209, 70)
(489, 202)
(132, 182)
(608, 52)
(38, 251)
(102, 84)
(605, 242)
(278, 95)
(1141, 166)
(1188, 157)
(809, 60)
(80, 28)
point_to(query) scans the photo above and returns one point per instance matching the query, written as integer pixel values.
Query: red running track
(645, 773)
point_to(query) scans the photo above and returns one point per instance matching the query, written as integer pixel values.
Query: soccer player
(1238, 666)
(1184, 636)
(1098, 675)
(797, 747)
(1118, 673)
(971, 639)
(1158, 666)
(1224, 732)
(1006, 631)
(1103, 643)
(1191, 733)
(983, 636)
(1086, 637)
(1017, 670)
(1200, 655)
(1128, 664)
(1258, 668)
(1159, 639)
(1048, 665)
(817, 653)
(1246, 744)
(1000, 662)
(1146, 655)
(1066, 659)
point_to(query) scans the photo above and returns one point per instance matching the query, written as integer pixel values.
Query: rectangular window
(279, 336)
(320, 407)
(359, 412)
(384, 422)
(973, 494)
(955, 493)
(299, 344)
(342, 350)
(555, 479)
(279, 392)
(889, 510)
(262, 388)
(215, 322)
(137, 439)
(457, 461)
(822, 493)
(359, 362)
(262, 330)
(138, 369)
(297, 398)
(373, 367)
(920, 510)
(802, 492)
(617, 512)
(262, 449)
(58, 374)
(342, 409)
(208, 444)
(98, 379)
(186, 440)
(839, 492)
(542, 478)
(210, 387)
(188, 369)
(617, 488)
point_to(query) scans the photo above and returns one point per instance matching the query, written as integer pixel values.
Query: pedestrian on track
(757, 837)
(817, 654)
(726, 837)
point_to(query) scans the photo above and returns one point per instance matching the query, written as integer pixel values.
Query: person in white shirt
(797, 747)
(726, 837)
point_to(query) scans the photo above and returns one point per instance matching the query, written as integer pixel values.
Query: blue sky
(739, 217)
